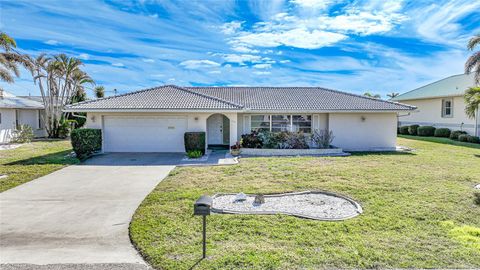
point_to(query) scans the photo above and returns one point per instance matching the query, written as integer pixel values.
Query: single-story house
(16, 111)
(155, 119)
(441, 104)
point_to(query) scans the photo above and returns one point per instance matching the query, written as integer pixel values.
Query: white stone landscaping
(292, 152)
(319, 205)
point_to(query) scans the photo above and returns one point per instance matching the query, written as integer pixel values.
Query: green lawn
(33, 160)
(418, 213)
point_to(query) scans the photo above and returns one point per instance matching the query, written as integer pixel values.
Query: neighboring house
(155, 120)
(441, 104)
(16, 111)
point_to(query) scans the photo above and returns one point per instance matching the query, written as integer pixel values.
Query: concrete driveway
(80, 214)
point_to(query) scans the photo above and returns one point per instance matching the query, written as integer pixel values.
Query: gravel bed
(309, 204)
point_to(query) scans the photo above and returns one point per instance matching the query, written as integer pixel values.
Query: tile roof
(241, 98)
(451, 86)
(13, 102)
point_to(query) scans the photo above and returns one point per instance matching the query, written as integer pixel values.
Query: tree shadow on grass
(58, 158)
(389, 153)
(441, 141)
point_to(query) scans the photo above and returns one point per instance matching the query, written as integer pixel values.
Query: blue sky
(356, 46)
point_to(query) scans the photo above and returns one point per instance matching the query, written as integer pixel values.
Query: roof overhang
(228, 111)
(423, 98)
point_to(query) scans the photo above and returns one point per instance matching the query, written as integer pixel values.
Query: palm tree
(99, 91)
(472, 103)
(393, 94)
(10, 59)
(473, 62)
(368, 94)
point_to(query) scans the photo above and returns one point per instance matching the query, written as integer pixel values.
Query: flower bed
(291, 152)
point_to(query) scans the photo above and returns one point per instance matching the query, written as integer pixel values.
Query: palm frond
(472, 101)
(473, 42)
(5, 75)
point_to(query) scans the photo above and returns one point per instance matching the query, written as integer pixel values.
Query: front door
(215, 129)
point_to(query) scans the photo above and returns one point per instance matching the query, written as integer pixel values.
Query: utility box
(202, 206)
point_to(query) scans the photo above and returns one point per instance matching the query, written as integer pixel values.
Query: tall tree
(99, 91)
(10, 59)
(472, 103)
(393, 94)
(368, 94)
(473, 62)
(59, 78)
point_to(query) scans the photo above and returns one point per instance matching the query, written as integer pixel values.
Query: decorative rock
(259, 199)
(477, 186)
(240, 197)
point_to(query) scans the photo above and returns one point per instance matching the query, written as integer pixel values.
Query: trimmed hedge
(454, 135)
(412, 130)
(194, 141)
(463, 137)
(474, 139)
(86, 141)
(442, 132)
(426, 131)
(403, 130)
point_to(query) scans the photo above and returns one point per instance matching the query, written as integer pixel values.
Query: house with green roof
(440, 104)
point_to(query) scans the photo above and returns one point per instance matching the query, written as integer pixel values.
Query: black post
(204, 237)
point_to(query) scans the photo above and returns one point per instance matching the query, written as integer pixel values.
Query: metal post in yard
(204, 237)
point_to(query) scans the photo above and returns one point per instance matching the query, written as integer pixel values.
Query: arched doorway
(218, 130)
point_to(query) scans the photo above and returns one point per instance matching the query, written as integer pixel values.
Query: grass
(33, 160)
(441, 140)
(419, 212)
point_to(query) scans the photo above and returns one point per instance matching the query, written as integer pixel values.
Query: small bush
(476, 198)
(442, 132)
(23, 134)
(194, 141)
(404, 130)
(86, 141)
(322, 138)
(295, 140)
(251, 140)
(473, 139)
(454, 135)
(463, 137)
(194, 154)
(412, 130)
(426, 131)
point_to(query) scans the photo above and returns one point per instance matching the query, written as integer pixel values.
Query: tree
(10, 59)
(59, 78)
(393, 94)
(472, 103)
(473, 62)
(368, 94)
(99, 91)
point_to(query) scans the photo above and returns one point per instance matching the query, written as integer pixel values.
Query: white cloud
(315, 4)
(118, 64)
(284, 61)
(148, 60)
(199, 64)
(242, 58)
(261, 66)
(52, 42)
(231, 27)
(261, 72)
(215, 72)
(84, 56)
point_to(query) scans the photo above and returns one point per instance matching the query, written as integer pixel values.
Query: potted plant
(235, 149)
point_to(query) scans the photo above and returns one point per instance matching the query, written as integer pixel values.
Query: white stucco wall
(429, 112)
(7, 125)
(364, 131)
(195, 121)
(25, 117)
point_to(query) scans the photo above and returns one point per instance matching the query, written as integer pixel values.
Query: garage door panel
(144, 134)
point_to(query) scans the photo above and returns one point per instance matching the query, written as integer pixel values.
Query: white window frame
(444, 108)
(290, 127)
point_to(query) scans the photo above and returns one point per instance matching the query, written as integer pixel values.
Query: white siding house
(441, 104)
(15, 111)
(155, 120)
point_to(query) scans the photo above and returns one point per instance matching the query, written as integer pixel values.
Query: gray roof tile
(239, 98)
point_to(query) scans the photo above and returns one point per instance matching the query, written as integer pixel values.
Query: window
(40, 124)
(447, 108)
(0, 118)
(260, 122)
(302, 123)
(279, 123)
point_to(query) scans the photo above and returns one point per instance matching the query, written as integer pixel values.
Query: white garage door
(144, 134)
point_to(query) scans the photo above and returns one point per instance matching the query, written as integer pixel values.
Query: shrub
(194, 141)
(426, 131)
(412, 130)
(194, 154)
(294, 140)
(463, 137)
(404, 130)
(273, 140)
(86, 141)
(454, 135)
(251, 140)
(476, 198)
(23, 134)
(473, 139)
(322, 138)
(442, 132)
